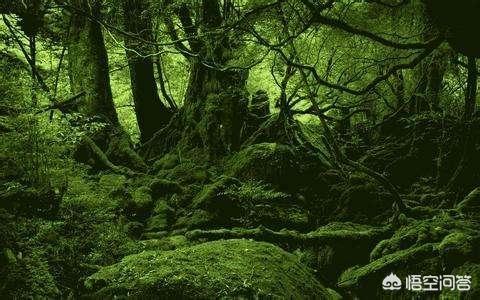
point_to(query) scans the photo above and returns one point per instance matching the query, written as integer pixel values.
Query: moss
(186, 173)
(167, 162)
(28, 278)
(370, 275)
(140, 205)
(161, 218)
(112, 182)
(233, 203)
(163, 187)
(471, 204)
(208, 196)
(166, 243)
(468, 269)
(418, 232)
(232, 268)
(269, 162)
(198, 218)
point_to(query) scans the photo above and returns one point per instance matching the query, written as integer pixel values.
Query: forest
(239, 149)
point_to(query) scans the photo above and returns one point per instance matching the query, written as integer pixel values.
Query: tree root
(103, 159)
(284, 236)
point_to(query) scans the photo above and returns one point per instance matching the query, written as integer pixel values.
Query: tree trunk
(215, 99)
(152, 114)
(471, 95)
(88, 62)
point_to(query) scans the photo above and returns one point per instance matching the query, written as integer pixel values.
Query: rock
(161, 218)
(272, 163)
(167, 162)
(163, 187)
(468, 269)
(29, 201)
(220, 269)
(233, 203)
(471, 204)
(9, 169)
(140, 205)
(112, 183)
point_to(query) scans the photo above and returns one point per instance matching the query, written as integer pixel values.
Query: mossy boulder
(471, 204)
(231, 202)
(220, 269)
(269, 162)
(425, 247)
(140, 205)
(187, 172)
(468, 269)
(167, 162)
(161, 217)
(112, 183)
(163, 187)
(360, 200)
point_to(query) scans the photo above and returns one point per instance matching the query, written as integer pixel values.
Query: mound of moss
(270, 162)
(231, 268)
(433, 246)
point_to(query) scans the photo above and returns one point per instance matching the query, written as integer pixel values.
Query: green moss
(140, 205)
(166, 243)
(161, 217)
(112, 182)
(357, 277)
(198, 218)
(419, 232)
(468, 269)
(167, 162)
(471, 204)
(28, 278)
(269, 162)
(163, 187)
(232, 268)
(208, 198)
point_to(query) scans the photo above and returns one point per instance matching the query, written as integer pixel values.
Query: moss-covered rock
(163, 187)
(234, 203)
(140, 205)
(417, 233)
(426, 247)
(221, 269)
(270, 162)
(365, 281)
(112, 183)
(167, 162)
(468, 269)
(187, 172)
(471, 204)
(161, 217)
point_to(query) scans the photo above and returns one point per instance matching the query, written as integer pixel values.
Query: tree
(88, 61)
(215, 100)
(152, 114)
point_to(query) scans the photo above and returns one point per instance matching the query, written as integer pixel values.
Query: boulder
(221, 269)
(269, 162)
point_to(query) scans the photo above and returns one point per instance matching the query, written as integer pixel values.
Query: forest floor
(270, 221)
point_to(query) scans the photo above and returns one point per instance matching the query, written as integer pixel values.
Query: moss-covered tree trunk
(152, 114)
(215, 103)
(89, 73)
(88, 62)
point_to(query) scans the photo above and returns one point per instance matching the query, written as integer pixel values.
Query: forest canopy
(207, 148)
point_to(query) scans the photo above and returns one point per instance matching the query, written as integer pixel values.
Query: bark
(471, 96)
(88, 62)
(152, 114)
(215, 100)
